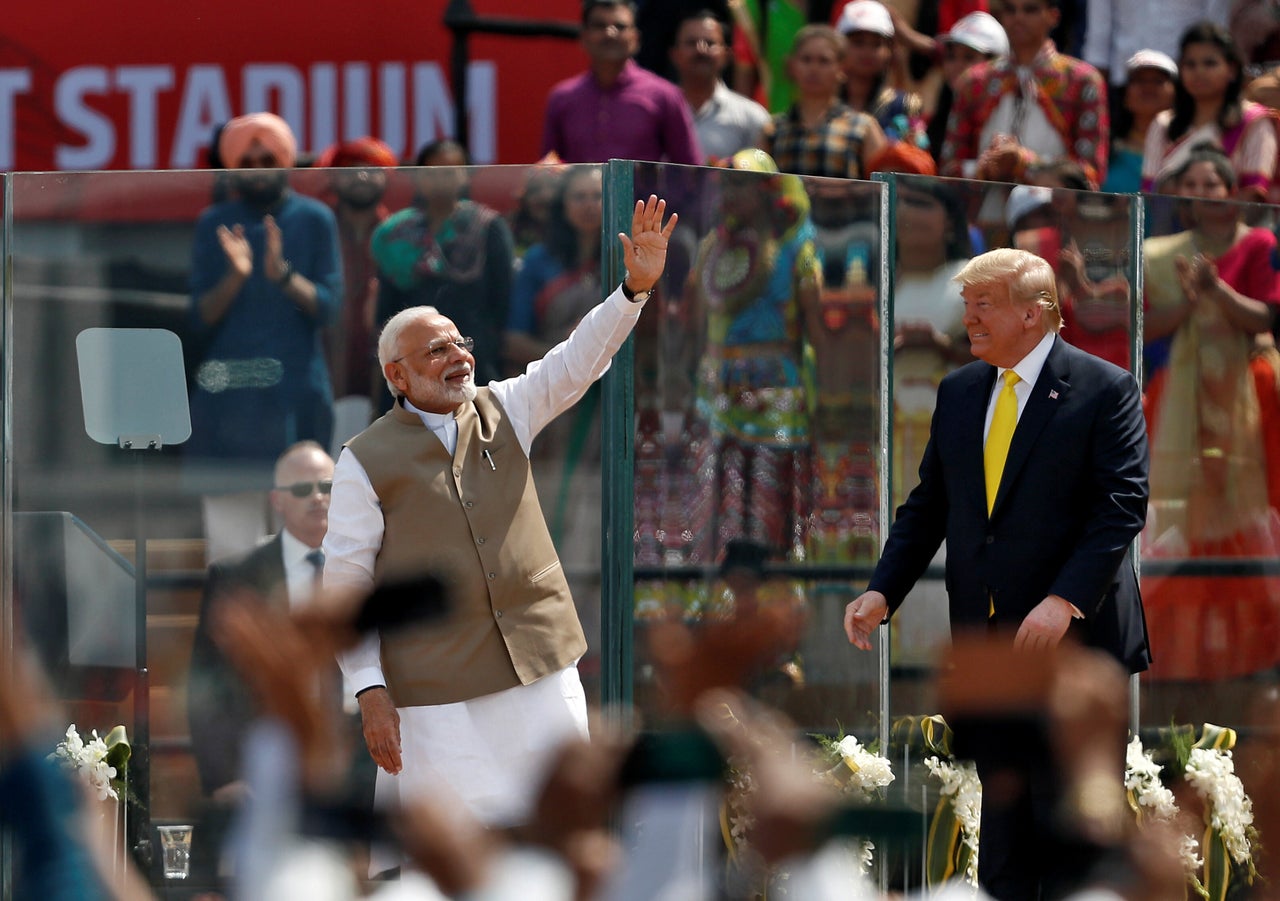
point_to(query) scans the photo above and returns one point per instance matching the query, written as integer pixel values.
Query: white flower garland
(860, 772)
(1212, 773)
(960, 783)
(869, 772)
(89, 760)
(1142, 778)
(1150, 798)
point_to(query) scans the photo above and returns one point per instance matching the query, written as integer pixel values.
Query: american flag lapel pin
(1053, 395)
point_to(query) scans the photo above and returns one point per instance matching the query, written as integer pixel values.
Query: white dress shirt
(1028, 370)
(299, 572)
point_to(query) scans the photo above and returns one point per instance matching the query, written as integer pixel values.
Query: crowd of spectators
(289, 294)
(957, 90)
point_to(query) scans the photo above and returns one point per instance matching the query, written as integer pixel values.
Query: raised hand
(237, 250)
(1198, 276)
(645, 251)
(273, 263)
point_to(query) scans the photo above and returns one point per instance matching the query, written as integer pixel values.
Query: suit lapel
(1047, 396)
(264, 572)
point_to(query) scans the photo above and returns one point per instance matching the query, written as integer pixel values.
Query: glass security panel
(272, 286)
(936, 226)
(757, 396)
(1209, 575)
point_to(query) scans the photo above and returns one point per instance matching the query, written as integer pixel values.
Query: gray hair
(389, 339)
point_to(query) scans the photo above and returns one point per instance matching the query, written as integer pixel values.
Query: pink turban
(267, 129)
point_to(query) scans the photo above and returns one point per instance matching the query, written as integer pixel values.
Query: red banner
(140, 84)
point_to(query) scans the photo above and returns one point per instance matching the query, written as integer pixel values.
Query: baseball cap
(980, 31)
(1152, 59)
(1025, 199)
(865, 15)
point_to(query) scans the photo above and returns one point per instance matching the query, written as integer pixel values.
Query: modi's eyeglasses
(306, 489)
(438, 351)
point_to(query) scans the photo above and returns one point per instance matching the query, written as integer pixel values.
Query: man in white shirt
(725, 121)
(441, 484)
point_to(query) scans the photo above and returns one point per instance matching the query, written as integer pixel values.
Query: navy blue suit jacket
(1072, 498)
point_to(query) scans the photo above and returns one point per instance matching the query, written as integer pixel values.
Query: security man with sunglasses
(284, 572)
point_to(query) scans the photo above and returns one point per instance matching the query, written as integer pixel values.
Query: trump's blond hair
(1030, 280)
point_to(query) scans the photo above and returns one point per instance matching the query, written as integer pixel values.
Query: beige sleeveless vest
(475, 520)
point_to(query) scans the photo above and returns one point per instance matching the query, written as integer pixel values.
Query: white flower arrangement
(859, 771)
(1211, 772)
(1152, 801)
(961, 786)
(1148, 796)
(1228, 812)
(869, 773)
(1189, 854)
(100, 763)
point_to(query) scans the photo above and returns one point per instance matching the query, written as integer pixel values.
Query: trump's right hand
(863, 616)
(381, 725)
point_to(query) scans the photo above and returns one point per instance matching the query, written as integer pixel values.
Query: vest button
(493, 575)
(499, 614)
(479, 541)
(469, 505)
(991, 539)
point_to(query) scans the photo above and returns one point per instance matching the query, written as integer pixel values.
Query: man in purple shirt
(617, 110)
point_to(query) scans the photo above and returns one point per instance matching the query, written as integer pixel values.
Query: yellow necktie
(996, 450)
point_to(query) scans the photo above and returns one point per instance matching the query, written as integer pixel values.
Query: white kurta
(491, 752)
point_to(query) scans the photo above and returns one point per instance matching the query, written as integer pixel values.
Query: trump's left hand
(645, 252)
(1045, 625)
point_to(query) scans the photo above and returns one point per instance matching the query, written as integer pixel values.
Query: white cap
(1024, 199)
(865, 15)
(980, 31)
(1152, 59)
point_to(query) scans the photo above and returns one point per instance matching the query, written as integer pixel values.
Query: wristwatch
(286, 276)
(635, 296)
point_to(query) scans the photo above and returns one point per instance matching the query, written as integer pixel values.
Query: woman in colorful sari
(447, 252)
(1207, 108)
(755, 290)
(1215, 431)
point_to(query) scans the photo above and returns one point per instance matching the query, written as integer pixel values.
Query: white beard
(462, 393)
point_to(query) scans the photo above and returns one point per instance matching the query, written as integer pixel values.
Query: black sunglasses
(306, 489)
